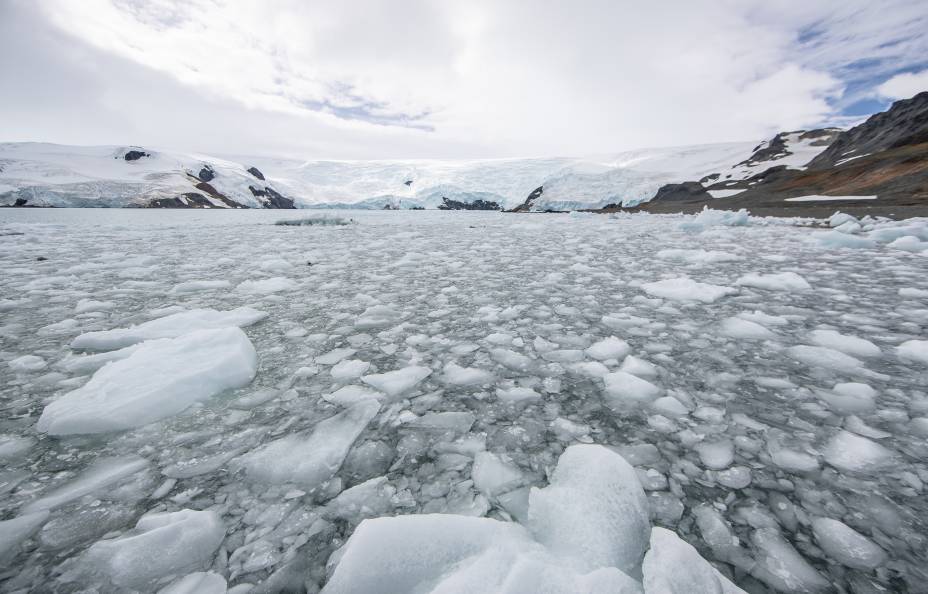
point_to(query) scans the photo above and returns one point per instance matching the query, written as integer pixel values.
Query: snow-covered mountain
(38, 174)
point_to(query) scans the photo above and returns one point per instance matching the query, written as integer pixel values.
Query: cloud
(414, 78)
(905, 85)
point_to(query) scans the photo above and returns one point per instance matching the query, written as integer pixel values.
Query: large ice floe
(434, 402)
(587, 531)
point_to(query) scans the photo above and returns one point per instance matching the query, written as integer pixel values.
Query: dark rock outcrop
(448, 204)
(135, 155)
(206, 174)
(209, 189)
(904, 124)
(686, 191)
(530, 200)
(188, 200)
(270, 198)
(254, 171)
(776, 148)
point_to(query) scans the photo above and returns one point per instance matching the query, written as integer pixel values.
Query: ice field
(456, 402)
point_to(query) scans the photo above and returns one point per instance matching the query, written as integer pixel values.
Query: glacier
(72, 176)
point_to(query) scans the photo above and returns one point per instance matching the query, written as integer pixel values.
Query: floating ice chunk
(638, 367)
(511, 359)
(500, 338)
(102, 473)
(914, 350)
(377, 316)
(15, 531)
(62, 327)
(908, 243)
(669, 407)
(310, 460)
(567, 430)
(856, 425)
(736, 477)
(170, 326)
(686, 289)
(673, 566)
(201, 582)
(763, 318)
(840, 218)
(696, 256)
(181, 540)
(850, 345)
(517, 395)
(349, 369)
(398, 382)
(160, 379)
(267, 286)
(369, 499)
(794, 460)
(623, 386)
(854, 453)
(493, 476)
(334, 356)
(780, 566)
(430, 552)
(716, 455)
(593, 512)
(27, 363)
(714, 218)
(198, 286)
(850, 397)
(919, 426)
(351, 395)
(14, 446)
(782, 281)
(256, 398)
(913, 293)
(88, 305)
(828, 358)
(745, 330)
(847, 546)
(837, 239)
(609, 348)
(590, 369)
(466, 376)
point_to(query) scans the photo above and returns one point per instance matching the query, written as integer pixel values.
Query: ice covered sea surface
(461, 402)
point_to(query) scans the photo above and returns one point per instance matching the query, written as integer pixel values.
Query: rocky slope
(878, 167)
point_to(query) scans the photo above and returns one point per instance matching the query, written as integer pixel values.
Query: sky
(400, 79)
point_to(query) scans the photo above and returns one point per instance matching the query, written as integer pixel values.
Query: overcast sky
(346, 79)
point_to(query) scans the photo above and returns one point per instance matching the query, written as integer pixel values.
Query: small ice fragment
(854, 453)
(398, 382)
(608, 348)
(783, 281)
(847, 546)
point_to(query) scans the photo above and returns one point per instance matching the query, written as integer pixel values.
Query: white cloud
(404, 78)
(903, 86)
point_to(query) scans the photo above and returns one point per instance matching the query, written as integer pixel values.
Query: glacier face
(66, 176)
